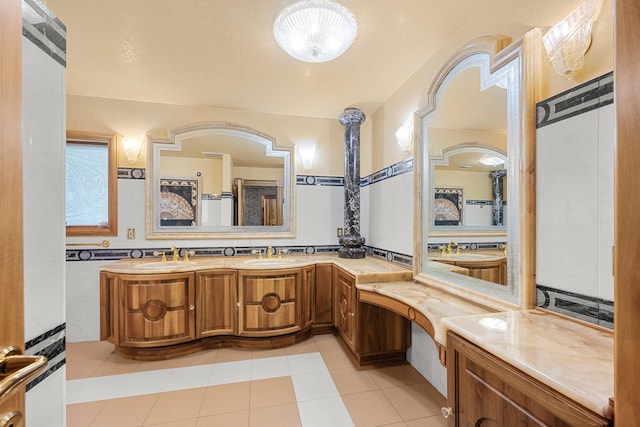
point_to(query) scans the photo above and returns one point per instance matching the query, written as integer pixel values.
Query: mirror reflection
(469, 188)
(219, 178)
(471, 140)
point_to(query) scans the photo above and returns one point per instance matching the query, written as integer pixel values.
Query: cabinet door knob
(192, 307)
(446, 411)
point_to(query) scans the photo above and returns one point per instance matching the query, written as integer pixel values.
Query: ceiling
(222, 53)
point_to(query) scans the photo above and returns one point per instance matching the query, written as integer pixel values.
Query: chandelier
(315, 30)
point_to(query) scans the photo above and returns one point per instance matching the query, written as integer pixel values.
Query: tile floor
(313, 383)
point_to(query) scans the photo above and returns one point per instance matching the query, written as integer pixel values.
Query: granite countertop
(366, 270)
(570, 357)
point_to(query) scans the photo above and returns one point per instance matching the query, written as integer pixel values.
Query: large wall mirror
(475, 174)
(218, 179)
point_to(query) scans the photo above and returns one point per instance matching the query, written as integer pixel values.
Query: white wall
(43, 136)
(574, 211)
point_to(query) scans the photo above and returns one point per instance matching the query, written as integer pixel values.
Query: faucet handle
(257, 251)
(282, 251)
(158, 253)
(187, 253)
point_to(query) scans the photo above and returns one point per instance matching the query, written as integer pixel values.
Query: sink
(463, 257)
(159, 265)
(269, 261)
(468, 256)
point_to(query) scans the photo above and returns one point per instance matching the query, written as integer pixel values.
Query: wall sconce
(132, 148)
(404, 135)
(568, 41)
(307, 154)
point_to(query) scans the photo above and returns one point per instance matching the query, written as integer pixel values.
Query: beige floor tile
(271, 392)
(395, 425)
(435, 421)
(327, 342)
(205, 357)
(180, 423)
(275, 416)
(435, 394)
(412, 401)
(263, 354)
(82, 368)
(394, 376)
(349, 381)
(370, 409)
(116, 365)
(306, 346)
(125, 412)
(338, 359)
(225, 398)
(88, 350)
(154, 365)
(82, 414)
(233, 355)
(232, 419)
(176, 405)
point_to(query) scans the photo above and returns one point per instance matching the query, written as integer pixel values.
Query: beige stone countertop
(570, 357)
(366, 270)
(434, 304)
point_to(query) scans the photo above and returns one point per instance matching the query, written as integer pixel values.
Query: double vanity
(530, 364)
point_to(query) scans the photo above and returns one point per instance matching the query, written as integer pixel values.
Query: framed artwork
(179, 202)
(447, 207)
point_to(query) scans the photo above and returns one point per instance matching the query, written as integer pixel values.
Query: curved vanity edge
(572, 358)
(431, 303)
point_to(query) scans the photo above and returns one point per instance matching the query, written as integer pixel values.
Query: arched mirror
(474, 172)
(216, 180)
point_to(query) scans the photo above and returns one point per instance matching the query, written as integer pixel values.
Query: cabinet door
(323, 296)
(217, 303)
(268, 302)
(345, 298)
(486, 391)
(307, 296)
(157, 309)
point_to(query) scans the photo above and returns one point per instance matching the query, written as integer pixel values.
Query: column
(351, 241)
(496, 181)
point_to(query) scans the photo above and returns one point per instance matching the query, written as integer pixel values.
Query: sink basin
(269, 261)
(159, 265)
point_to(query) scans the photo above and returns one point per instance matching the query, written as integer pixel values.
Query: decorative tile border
(395, 169)
(131, 173)
(52, 345)
(475, 246)
(43, 29)
(395, 257)
(591, 309)
(138, 253)
(481, 202)
(332, 181)
(588, 96)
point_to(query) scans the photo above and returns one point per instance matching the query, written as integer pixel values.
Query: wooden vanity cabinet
(217, 303)
(372, 333)
(153, 310)
(486, 391)
(492, 271)
(323, 293)
(269, 301)
(307, 296)
(344, 285)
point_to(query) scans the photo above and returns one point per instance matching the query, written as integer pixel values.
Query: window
(91, 185)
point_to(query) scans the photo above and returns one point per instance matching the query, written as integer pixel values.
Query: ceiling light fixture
(491, 160)
(315, 30)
